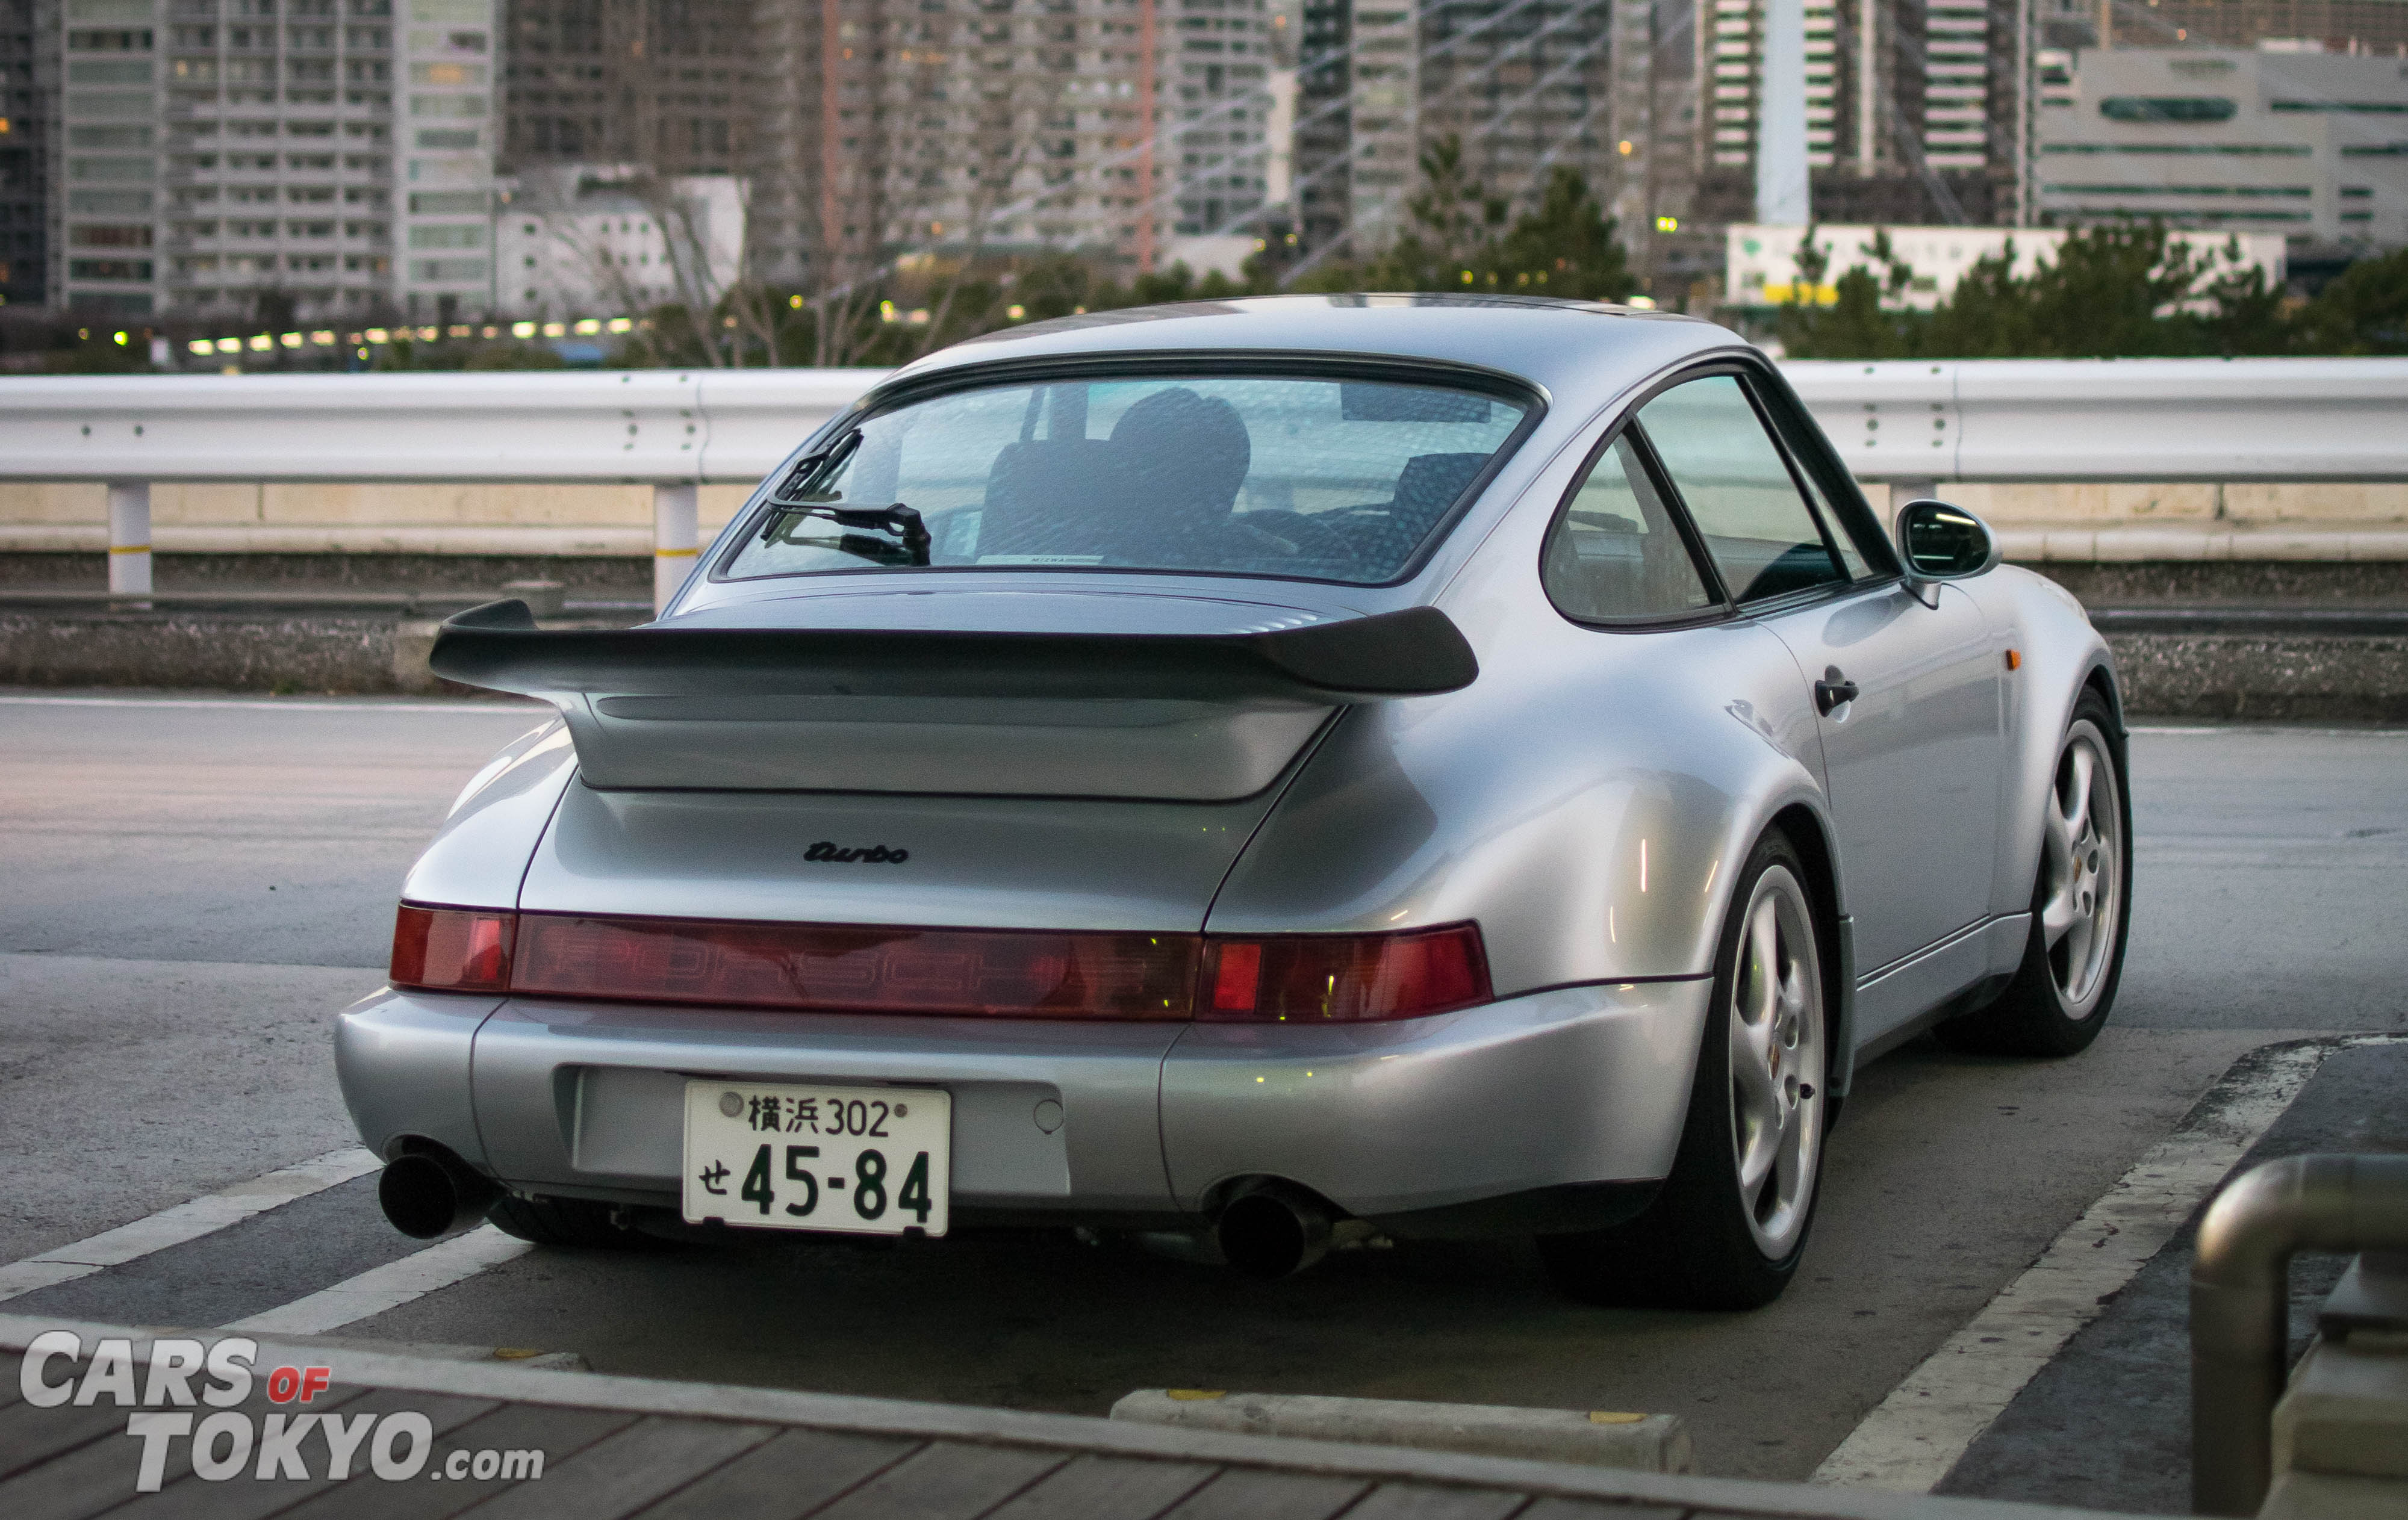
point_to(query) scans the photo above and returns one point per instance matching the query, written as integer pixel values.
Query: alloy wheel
(2082, 897)
(1777, 1058)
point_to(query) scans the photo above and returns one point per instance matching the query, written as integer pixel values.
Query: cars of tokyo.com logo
(167, 1396)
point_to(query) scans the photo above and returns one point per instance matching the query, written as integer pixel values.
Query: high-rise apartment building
(1521, 86)
(889, 129)
(655, 83)
(1914, 112)
(284, 160)
(28, 67)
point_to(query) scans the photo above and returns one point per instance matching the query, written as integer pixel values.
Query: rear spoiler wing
(1412, 653)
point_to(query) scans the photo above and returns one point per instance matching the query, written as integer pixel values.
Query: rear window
(1320, 478)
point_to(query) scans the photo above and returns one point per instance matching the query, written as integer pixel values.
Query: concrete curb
(1070, 1433)
(1591, 1438)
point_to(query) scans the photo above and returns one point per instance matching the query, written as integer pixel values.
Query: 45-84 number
(869, 1198)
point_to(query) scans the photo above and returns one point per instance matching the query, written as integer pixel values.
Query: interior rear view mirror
(1941, 542)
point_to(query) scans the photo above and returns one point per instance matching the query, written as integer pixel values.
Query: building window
(121, 269)
(457, 236)
(2168, 108)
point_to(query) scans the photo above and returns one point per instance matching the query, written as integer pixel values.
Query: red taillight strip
(459, 949)
(1343, 978)
(825, 968)
(1007, 973)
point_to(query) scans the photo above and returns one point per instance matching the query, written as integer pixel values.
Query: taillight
(1006, 972)
(1344, 978)
(1032, 974)
(459, 949)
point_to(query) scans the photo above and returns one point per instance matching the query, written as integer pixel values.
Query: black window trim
(1719, 609)
(1301, 364)
(1751, 376)
(1810, 454)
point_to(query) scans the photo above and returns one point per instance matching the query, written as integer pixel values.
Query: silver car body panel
(973, 862)
(1911, 764)
(1586, 802)
(587, 1099)
(402, 1059)
(481, 852)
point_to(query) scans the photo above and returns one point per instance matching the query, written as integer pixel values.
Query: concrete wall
(357, 518)
(2246, 521)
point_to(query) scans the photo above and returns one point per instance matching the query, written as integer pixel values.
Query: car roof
(1574, 351)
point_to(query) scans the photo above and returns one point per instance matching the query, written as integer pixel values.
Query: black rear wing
(1412, 653)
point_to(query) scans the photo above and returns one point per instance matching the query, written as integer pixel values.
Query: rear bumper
(1571, 1086)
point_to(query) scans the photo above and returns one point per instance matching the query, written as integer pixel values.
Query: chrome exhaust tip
(424, 1195)
(1275, 1231)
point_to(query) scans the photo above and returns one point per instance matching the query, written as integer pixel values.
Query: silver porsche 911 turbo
(1279, 771)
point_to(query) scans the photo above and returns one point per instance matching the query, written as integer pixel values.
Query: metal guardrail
(2093, 421)
(1909, 422)
(2241, 1302)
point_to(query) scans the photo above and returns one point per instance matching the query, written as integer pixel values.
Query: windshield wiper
(901, 520)
(813, 469)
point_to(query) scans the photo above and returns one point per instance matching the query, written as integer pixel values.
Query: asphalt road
(194, 886)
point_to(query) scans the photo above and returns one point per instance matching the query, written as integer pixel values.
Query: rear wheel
(563, 1221)
(1730, 1225)
(2073, 957)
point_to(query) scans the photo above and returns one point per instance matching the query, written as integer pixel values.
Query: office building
(586, 241)
(1763, 260)
(309, 160)
(2310, 145)
(2377, 27)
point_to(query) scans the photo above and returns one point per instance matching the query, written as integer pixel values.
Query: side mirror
(1941, 542)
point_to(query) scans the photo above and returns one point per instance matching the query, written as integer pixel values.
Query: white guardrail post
(129, 537)
(674, 540)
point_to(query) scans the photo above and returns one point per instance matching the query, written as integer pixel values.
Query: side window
(1613, 552)
(1739, 489)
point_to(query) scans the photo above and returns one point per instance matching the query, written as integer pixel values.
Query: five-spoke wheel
(1730, 1225)
(2073, 956)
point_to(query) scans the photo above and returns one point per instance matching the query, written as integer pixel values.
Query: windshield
(1327, 479)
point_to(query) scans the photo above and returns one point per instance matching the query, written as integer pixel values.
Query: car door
(1909, 693)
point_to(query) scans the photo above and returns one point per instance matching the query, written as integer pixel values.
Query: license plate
(855, 1160)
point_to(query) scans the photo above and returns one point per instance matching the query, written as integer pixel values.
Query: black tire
(563, 1221)
(1701, 1243)
(2054, 1005)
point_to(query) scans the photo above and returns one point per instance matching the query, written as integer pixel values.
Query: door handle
(1833, 691)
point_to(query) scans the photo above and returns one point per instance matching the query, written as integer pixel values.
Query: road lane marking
(389, 1287)
(1914, 1436)
(187, 1221)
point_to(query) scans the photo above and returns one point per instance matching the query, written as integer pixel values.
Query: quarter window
(1613, 552)
(1739, 489)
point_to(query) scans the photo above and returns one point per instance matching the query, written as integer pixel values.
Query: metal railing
(2241, 1302)
(1907, 422)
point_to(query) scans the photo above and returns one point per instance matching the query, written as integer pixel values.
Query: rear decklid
(894, 762)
